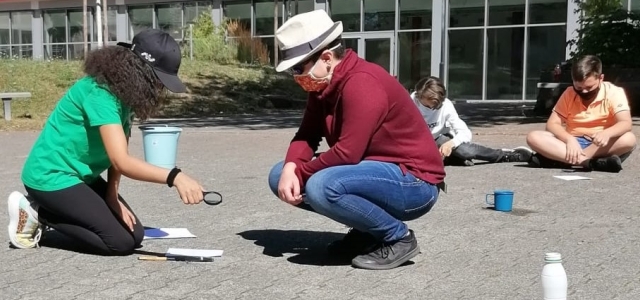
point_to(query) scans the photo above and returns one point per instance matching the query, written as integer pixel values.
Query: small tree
(609, 31)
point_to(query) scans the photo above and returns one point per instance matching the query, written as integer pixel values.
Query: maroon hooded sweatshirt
(364, 114)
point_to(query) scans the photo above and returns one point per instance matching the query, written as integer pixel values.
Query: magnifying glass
(212, 198)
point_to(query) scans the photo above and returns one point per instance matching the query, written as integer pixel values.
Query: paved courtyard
(275, 251)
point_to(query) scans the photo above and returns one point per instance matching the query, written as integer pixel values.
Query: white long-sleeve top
(444, 120)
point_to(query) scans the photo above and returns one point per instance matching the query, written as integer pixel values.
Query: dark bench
(6, 102)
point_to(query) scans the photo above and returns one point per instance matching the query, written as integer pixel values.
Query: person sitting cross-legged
(451, 133)
(597, 124)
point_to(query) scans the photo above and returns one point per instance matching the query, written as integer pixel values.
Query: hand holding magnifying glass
(212, 198)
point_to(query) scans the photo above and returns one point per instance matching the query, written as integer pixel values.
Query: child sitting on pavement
(451, 133)
(590, 125)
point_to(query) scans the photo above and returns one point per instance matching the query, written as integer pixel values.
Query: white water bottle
(554, 278)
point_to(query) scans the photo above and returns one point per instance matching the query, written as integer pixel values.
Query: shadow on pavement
(309, 246)
(259, 121)
(494, 114)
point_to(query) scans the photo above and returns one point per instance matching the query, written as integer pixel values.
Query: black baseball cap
(160, 51)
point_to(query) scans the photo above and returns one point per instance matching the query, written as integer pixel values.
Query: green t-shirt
(69, 149)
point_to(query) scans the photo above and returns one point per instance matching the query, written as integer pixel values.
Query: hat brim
(171, 82)
(289, 63)
(126, 45)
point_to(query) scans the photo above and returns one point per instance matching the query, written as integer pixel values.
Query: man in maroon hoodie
(383, 166)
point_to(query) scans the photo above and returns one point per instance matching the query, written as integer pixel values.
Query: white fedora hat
(303, 35)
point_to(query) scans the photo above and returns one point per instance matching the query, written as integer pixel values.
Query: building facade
(484, 49)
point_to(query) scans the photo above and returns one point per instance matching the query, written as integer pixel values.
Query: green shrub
(609, 31)
(209, 42)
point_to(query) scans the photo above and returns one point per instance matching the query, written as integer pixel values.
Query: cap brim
(126, 45)
(289, 63)
(172, 82)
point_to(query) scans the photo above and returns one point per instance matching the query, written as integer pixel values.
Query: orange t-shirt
(599, 115)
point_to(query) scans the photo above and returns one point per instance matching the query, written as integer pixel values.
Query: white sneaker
(24, 229)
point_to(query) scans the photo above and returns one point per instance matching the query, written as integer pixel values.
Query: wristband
(172, 176)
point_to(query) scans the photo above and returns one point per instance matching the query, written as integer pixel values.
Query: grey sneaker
(389, 255)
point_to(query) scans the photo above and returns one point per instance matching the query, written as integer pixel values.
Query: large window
(173, 18)
(543, 52)
(240, 12)
(264, 16)
(169, 19)
(55, 34)
(466, 13)
(15, 35)
(506, 12)
(465, 64)
(379, 15)
(415, 14)
(505, 53)
(631, 5)
(547, 11)
(303, 7)
(413, 41)
(347, 11)
(414, 57)
(140, 18)
(498, 51)
(193, 9)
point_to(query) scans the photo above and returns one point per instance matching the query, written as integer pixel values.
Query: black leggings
(81, 213)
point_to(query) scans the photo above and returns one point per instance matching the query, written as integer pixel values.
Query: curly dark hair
(128, 78)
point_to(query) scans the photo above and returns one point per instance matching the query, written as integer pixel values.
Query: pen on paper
(176, 258)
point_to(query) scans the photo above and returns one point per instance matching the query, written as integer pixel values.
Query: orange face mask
(310, 83)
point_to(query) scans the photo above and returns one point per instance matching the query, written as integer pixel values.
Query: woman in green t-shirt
(87, 134)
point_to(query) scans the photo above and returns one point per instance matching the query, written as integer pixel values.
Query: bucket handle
(151, 127)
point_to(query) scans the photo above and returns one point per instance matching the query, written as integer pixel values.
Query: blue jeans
(373, 197)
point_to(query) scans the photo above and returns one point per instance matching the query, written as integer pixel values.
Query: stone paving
(275, 251)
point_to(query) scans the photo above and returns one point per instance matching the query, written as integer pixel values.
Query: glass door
(376, 47)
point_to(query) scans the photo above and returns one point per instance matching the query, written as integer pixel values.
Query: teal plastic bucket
(160, 144)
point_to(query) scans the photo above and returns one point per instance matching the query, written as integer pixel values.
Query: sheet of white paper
(167, 233)
(194, 252)
(571, 177)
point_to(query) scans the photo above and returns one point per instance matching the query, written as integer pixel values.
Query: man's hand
(124, 213)
(573, 151)
(601, 139)
(446, 148)
(289, 185)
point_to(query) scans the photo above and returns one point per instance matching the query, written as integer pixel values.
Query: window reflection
(240, 12)
(505, 50)
(415, 14)
(21, 27)
(193, 9)
(414, 57)
(347, 11)
(140, 18)
(547, 11)
(303, 7)
(379, 15)
(264, 14)
(465, 64)
(465, 13)
(635, 6)
(545, 51)
(169, 19)
(506, 12)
